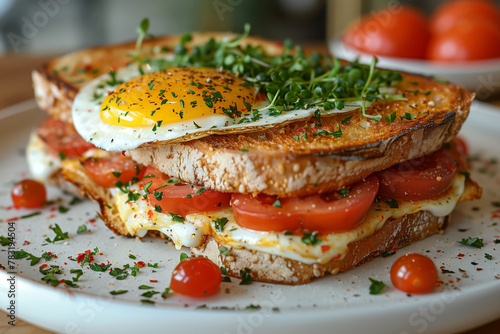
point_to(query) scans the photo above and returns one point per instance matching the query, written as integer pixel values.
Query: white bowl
(480, 76)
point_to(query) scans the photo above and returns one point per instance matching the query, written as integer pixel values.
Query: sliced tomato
(462, 146)
(417, 179)
(106, 172)
(322, 213)
(28, 194)
(180, 198)
(62, 139)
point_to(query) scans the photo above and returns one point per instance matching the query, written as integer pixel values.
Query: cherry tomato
(322, 213)
(418, 179)
(401, 31)
(106, 172)
(62, 139)
(180, 198)
(414, 273)
(472, 39)
(196, 277)
(29, 194)
(449, 15)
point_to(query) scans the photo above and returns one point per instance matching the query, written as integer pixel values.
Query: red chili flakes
(479, 269)
(141, 264)
(43, 266)
(439, 251)
(53, 209)
(325, 248)
(61, 281)
(65, 263)
(26, 242)
(460, 255)
(92, 220)
(150, 213)
(81, 256)
(52, 216)
(335, 257)
(495, 214)
(153, 281)
(12, 219)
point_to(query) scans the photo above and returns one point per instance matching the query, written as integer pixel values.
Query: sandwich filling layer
(139, 218)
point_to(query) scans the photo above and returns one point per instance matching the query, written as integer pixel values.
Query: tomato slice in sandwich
(107, 172)
(180, 198)
(418, 179)
(333, 212)
(62, 139)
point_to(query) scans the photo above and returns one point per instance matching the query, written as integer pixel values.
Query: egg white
(88, 123)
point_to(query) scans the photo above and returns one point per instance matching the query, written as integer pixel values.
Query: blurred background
(58, 26)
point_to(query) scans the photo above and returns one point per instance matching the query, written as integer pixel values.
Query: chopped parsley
(474, 242)
(219, 224)
(176, 218)
(311, 239)
(81, 229)
(60, 235)
(391, 118)
(183, 256)
(246, 278)
(393, 204)
(277, 203)
(23, 254)
(5, 241)
(224, 251)
(344, 192)
(376, 287)
(118, 292)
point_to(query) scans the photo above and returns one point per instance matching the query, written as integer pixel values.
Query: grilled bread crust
(265, 267)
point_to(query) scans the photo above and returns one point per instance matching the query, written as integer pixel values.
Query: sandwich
(270, 161)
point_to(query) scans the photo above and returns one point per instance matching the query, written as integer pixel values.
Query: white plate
(339, 303)
(480, 76)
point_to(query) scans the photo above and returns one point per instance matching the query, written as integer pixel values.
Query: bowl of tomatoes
(459, 42)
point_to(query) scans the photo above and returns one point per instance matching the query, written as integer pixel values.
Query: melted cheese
(139, 217)
(40, 162)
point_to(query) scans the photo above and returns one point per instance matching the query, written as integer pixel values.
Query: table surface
(15, 86)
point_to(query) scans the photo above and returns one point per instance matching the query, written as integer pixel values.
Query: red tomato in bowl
(449, 15)
(398, 31)
(472, 39)
(322, 213)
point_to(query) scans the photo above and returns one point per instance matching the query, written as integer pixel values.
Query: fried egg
(125, 109)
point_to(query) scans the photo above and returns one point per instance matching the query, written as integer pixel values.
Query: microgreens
(290, 81)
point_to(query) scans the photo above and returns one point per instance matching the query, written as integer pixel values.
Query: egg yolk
(176, 94)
